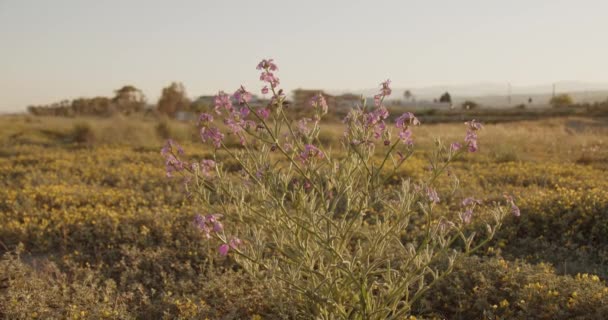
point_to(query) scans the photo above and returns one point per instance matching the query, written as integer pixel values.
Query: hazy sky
(51, 50)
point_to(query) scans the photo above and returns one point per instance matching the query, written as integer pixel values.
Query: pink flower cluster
(209, 133)
(222, 102)
(310, 152)
(207, 167)
(236, 118)
(242, 96)
(264, 113)
(374, 121)
(471, 136)
(385, 91)
(432, 194)
(319, 104)
(469, 204)
(403, 123)
(514, 208)
(237, 123)
(233, 244)
(303, 128)
(267, 67)
(171, 152)
(209, 223)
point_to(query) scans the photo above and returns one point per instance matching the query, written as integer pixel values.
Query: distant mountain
(497, 94)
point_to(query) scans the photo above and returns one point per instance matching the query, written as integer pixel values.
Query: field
(91, 227)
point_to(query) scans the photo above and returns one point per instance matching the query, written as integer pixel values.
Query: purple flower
(467, 215)
(455, 146)
(288, 146)
(265, 90)
(470, 201)
(172, 162)
(379, 129)
(386, 90)
(244, 112)
(237, 124)
(473, 125)
(471, 136)
(213, 135)
(267, 64)
(372, 121)
(235, 243)
(514, 208)
(318, 102)
(432, 194)
(222, 101)
(307, 185)
(406, 136)
(204, 119)
(471, 140)
(264, 113)
(223, 249)
(377, 115)
(207, 167)
(241, 95)
(270, 78)
(276, 99)
(303, 128)
(217, 226)
(201, 222)
(208, 223)
(470, 204)
(310, 151)
(403, 123)
(406, 119)
(378, 100)
(169, 146)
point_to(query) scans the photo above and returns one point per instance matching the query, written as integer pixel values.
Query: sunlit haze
(54, 50)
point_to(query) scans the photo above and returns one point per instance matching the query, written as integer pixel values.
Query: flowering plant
(321, 226)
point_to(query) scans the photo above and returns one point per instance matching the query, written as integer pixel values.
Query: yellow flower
(504, 303)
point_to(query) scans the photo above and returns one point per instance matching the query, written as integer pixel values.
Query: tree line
(126, 100)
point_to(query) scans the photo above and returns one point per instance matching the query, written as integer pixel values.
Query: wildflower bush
(322, 227)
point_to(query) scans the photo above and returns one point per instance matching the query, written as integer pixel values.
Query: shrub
(492, 288)
(163, 129)
(326, 231)
(26, 293)
(561, 100)
(83, 133)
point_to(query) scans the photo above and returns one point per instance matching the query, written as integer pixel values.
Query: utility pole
(509, 93)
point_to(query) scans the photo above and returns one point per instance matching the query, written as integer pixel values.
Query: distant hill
(496, 95)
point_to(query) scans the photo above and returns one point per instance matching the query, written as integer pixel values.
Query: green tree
(129, 99)
(561, 100)
(173, 99)
(408, 95)
(445, 98)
